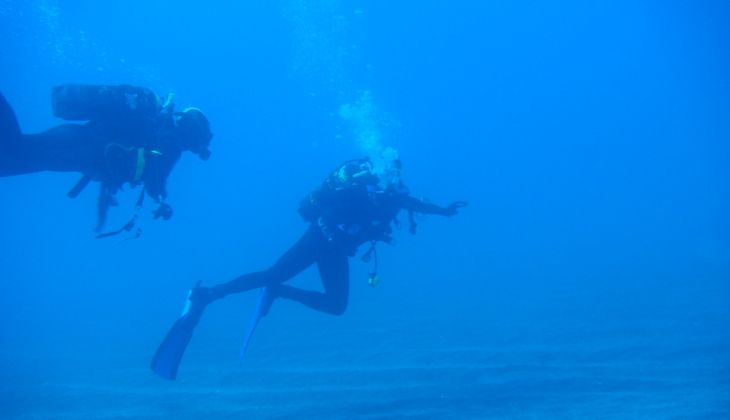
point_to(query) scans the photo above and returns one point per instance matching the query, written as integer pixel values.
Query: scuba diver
(357, 204)
(130, 136)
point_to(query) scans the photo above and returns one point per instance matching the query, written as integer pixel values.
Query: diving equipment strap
(372, 254)
(79, 186)
(142, 163)
(130, 224)
(139, 169)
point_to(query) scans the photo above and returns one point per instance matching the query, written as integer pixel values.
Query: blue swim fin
(262, 308)
(170, 352)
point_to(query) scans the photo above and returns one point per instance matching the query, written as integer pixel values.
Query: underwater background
(588, 278)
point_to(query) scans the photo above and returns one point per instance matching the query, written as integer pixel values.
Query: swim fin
(262, 308)
(9, 128)
(170, 352)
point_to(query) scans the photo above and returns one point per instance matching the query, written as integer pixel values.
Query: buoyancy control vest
(354, 177)
(125, 112)
(351, 203)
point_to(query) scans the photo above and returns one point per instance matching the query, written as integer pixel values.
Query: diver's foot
(266, 299)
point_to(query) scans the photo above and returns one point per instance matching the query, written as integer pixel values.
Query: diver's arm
(155, 182)
(156, 190)
(155, 179)
(411, 203)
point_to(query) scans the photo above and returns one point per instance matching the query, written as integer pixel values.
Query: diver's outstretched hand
(203, 295)
(164, 212)
(453, 208)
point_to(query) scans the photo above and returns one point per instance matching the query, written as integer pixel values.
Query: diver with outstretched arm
(330, 255)
(355, 205)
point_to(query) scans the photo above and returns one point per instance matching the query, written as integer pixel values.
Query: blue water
(588, 278)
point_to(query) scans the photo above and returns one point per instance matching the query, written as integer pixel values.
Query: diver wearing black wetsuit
(129, 137)
(344, 218)
(350, 209)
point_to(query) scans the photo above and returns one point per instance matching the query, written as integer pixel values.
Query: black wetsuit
(141, 151)
(353, 220)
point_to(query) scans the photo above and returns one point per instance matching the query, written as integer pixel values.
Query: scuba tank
(352, 174)
(104, 102)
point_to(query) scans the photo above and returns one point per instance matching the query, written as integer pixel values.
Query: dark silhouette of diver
(356, 204)
(131, 136)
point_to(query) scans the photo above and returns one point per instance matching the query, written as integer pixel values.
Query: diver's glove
(453, 208)
(204, 295)
(164, 211)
